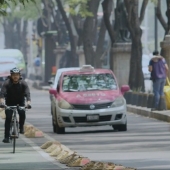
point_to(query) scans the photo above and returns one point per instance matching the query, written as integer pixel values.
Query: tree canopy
(4, 4)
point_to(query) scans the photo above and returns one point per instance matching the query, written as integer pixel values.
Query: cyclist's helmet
(15, 70)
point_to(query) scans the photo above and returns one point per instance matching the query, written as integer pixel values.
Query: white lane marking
(41, 152)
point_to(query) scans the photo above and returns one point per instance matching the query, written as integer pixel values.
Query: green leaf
(4, 4)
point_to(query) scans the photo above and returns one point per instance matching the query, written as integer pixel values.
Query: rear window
(88, 82)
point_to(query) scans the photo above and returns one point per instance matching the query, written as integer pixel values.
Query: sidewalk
(143, 111)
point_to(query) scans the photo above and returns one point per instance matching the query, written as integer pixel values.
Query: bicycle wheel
(14, 140)
(14, 135)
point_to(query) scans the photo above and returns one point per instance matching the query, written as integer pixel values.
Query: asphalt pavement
(145, 145)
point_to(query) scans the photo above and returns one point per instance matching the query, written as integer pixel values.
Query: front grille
(84, 119)
(87, 106)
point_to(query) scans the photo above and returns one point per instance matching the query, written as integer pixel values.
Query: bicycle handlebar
(14, 107)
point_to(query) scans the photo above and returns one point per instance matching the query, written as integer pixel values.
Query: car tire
(59, 130)
(54, 126)
(122, 127)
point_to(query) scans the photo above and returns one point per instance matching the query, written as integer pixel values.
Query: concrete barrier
(162, 104)
(79, 162)
(135, 98)
(144, 99)
(32, 132)
(139, 102)
(150, 103)
(132, 98)
(128, 97)
(159, 115)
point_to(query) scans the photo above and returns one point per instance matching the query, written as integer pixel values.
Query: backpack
(37, 62)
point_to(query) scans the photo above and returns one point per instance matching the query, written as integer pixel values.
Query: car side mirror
(124, 88)
(53, 91)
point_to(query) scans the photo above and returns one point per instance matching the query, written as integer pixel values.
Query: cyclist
(13, 92)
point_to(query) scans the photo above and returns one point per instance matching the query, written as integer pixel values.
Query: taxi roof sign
(86, 68)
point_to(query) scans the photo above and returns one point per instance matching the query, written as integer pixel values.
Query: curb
(143, 111)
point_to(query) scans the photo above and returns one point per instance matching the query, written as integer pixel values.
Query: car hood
(90, 96)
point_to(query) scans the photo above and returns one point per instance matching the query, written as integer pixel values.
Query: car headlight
(64, 104)
(118, 102)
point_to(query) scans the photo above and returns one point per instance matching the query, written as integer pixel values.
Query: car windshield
(84, 82)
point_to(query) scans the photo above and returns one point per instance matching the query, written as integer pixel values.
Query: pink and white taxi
(88, 97)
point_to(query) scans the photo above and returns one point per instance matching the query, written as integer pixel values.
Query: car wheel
(54, 126)
(120, 127)
(59, 130)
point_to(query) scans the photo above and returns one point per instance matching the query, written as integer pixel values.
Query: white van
(16, 56)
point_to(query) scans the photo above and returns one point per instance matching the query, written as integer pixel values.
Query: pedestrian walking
(159, 70)
(37, 65)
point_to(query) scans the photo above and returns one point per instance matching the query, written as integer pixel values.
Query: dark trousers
(8, 113)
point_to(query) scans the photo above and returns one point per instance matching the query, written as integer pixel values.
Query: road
(28, 155)
(144, 146)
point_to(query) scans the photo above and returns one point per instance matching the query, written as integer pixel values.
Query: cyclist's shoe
(6, 140)
(21, 131)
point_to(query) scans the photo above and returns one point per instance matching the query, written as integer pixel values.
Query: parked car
(5, 68)
(88, 97)
(16, 56)
(145, 64)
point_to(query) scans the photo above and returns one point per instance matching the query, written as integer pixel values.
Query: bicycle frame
(14, 124)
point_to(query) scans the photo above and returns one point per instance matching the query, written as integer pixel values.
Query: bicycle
(14, 126)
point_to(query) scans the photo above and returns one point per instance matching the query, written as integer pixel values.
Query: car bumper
(78, 118)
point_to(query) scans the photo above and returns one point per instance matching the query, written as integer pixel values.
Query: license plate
(92, 118)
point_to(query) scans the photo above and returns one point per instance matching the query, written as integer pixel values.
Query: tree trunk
(100, 44)
(47, 13)
(107, 8)
(9, 33)
(168, 17)
(159, 16)
(136, 79)
(50, 60)
(89, 26)
(24, 39)
(72, 41)
(79, 28)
